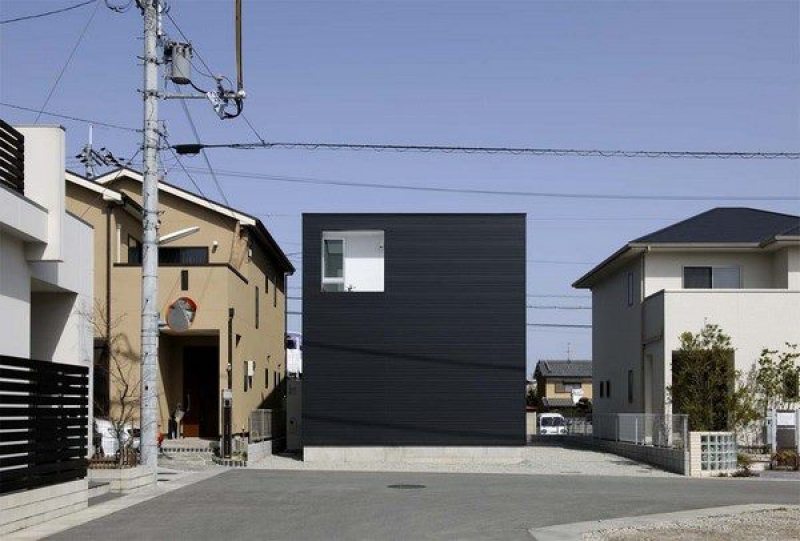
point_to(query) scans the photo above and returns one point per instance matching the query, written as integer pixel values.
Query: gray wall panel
(438, 358)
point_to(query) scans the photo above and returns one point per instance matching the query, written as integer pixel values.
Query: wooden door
(201, 391)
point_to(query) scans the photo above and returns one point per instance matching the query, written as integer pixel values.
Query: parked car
(552, 424)
(110, 445)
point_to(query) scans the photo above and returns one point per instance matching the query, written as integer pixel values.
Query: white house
(738, 268)
(46, 292)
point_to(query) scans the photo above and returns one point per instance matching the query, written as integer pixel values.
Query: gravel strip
(769, 525)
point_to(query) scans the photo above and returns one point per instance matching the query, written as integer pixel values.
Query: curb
(576, 530)
(229, 462)
(89, 514)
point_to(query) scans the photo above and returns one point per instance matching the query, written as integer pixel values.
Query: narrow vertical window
(630, 386)
(258, 301)
(184, 280)
(275, 293)
(630, 289)
(333, 265)
(608, 388)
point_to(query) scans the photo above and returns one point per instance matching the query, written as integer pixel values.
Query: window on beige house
(567, 386)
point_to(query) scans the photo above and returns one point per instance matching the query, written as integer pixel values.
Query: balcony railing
(12, 158)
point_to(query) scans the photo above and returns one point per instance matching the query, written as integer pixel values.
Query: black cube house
(413, 329)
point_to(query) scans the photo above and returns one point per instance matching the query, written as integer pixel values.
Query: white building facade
(45, 261)
(736, 268)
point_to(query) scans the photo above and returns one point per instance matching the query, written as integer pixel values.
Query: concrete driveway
(260, 504)
(537, 460)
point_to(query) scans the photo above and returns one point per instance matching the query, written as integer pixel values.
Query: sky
(679, 75)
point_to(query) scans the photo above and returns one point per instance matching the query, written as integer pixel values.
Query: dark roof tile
(569, 369)
(725, 225)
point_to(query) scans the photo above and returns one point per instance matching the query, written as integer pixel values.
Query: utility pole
(149, 367)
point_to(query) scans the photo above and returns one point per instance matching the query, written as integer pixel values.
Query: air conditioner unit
(251, 368)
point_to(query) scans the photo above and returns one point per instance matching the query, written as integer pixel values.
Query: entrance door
(201, 391)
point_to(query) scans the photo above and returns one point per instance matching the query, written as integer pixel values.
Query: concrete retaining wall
(30, 507)
(257, 451)
(673, 460)
(125, 479)
(530, 423)
(497, 455)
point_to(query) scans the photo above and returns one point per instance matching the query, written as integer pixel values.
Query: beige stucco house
(738, 268)
(561, 383)
(221, 264)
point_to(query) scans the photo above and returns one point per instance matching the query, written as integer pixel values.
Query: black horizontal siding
(438, 358)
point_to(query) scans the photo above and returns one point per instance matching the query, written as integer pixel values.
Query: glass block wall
(717, 451)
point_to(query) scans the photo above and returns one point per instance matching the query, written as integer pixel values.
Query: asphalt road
(260, 504)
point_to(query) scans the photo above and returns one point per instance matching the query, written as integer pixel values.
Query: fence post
(636, 430)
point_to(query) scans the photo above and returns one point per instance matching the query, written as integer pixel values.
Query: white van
(552, 424)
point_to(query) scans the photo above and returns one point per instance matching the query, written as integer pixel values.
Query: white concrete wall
(363, 261)
(665, 269)
(44, 183)
(616, 340)
(754, 319)
(786, 267)
(21, 217)
(15, 295)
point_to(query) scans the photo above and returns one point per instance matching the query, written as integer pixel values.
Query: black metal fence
(12, 163)
(43, 423)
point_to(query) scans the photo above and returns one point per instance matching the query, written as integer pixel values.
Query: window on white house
(712, 278)
(352, 261)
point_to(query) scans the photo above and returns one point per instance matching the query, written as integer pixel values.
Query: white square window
(352, 261)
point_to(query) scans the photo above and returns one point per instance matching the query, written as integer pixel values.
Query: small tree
(777, 378)
(703, 379)
(123, 377)
(530, 397)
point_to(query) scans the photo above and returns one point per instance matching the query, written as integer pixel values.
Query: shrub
(786, 458)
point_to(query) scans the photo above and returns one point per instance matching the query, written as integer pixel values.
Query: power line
(209, 72)
(552, 296)
(583, 153)
(559, 262)
(74, 118)
(66, 64)
(556, 307)
(514, 193)
(560, 325)
(47, 13)
(205, 156)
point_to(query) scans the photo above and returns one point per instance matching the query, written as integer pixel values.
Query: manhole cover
(407, 487)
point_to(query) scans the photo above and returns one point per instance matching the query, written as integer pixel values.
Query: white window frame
(332, 280)
(712, 267)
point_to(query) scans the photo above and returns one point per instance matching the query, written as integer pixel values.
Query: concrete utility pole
(149, 369)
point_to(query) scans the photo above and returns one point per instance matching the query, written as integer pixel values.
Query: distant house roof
(742, 227)
(563, 369)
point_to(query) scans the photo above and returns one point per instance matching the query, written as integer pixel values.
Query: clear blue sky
(671, 75)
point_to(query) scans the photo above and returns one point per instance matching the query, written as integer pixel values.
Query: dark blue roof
(726, 225)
